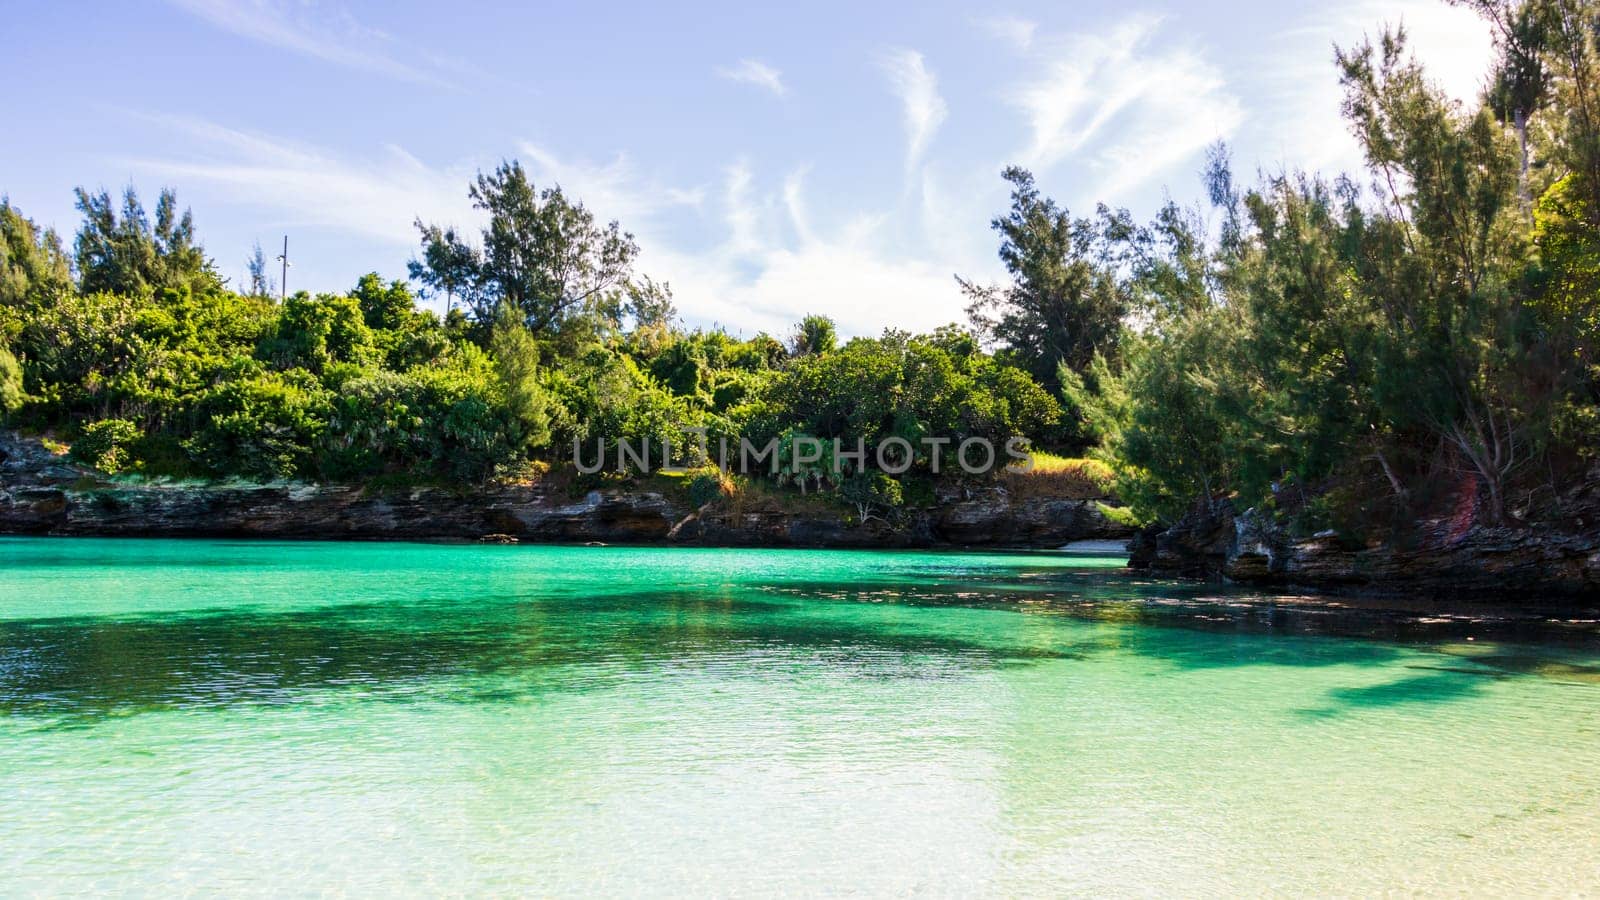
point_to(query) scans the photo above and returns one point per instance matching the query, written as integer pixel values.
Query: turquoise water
(262, 718)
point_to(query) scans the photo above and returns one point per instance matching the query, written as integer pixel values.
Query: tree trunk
(1388, 472)
(1520, 120)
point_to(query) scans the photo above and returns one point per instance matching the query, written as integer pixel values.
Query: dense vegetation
(1347, 358)
(133, 349)
(1353, 352)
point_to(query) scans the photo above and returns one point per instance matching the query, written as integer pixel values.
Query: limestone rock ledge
(41, 494)
(1481, 561)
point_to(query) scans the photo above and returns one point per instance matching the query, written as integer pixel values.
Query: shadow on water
(1116, 596)
(469, 651)
(69, 672)
(1445, 686)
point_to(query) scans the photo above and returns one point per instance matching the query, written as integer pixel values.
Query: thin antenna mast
(283, 280)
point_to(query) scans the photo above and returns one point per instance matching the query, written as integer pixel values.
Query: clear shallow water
(372, 718)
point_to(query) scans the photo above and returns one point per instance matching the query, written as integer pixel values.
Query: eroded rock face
(1197, 545)
(41, 494)
(996, 518)
(1214, 541)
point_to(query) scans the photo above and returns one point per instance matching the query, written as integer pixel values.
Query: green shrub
(899, 386)
(265, 425)
(315, 333)
(707, 485)
(1120, 515)
(873, 494)
(11, 394)
(105, 444)
(430, 421)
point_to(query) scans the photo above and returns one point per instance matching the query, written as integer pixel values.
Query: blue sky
(772, 160)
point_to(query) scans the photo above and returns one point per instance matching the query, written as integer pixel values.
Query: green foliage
(125, 254)
(449, 422)
(367, 387)
(650, 304)
(605, 395)
(814, 335)
(543, 256)
(681, 367)
(261, 424)
(313, 333)
(106, 444)
(874, 494)
(760, 352)
(900, 386)
(710, 484)
(80, 345)
(1120, 515)
(449, 266)
(384, 307)
(1347, 360)
(1064, 304)
(527, 403)
(32, 264)
(731, 387)
(1565, 230)
(11, 394)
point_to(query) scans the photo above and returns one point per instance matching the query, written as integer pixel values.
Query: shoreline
(1442, 559)
(42, 493)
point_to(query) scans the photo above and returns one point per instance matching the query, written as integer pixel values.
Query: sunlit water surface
(379, 718)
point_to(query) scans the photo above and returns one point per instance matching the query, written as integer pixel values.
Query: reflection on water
(217, 715)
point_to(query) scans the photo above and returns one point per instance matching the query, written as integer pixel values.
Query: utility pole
(283, 280)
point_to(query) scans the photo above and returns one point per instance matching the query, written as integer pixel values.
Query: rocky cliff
(1560, 558)
(41, 493)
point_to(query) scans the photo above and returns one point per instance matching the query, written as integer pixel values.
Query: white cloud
(1300, 126)
(794, 203)
(1109, 109)
(765, 265)
(1012, 30)
(752, 71)
(1122, 105)
(918, 91)
(740, 215)
(864, 292)
(330, 34)
(776, 265)
(613, 190)
(1452, 41)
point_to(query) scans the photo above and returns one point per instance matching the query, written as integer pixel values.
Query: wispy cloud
(775, 264)
(1123, 105)
(327, 33)
(761, 262)
(765, 263)
(1010, 29)
(918, 90)
(752, 71)
(761, 278)
(381, 195)
(374, 197)
(612, 190)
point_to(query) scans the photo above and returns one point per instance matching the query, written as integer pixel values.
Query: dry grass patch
(1061, 478)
